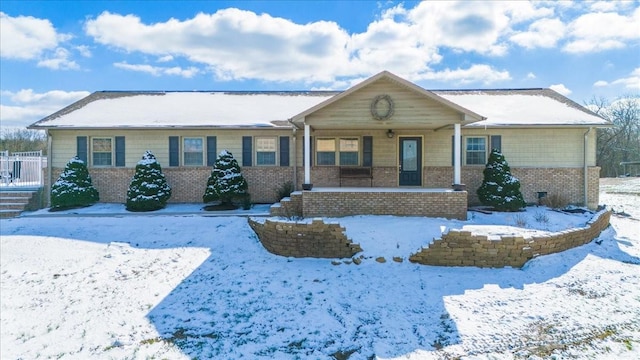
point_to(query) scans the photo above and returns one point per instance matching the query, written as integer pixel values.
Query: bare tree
(620, 143)
(16, 140)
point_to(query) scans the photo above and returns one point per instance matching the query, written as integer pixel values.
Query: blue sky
(56, 52)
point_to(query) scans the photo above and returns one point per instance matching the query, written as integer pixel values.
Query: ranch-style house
(384, 146)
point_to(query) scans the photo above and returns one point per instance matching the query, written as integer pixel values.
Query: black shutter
(211, 150)
(120, 152)
(284, 151)
(246, 150)
(81, 148)
(496, 142)
(174, 151)
(367, 151)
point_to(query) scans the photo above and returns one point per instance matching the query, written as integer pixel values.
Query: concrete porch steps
(13, 203)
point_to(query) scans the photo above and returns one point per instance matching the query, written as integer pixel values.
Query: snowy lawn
(181, 287)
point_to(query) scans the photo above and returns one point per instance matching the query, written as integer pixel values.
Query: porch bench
(356, 172)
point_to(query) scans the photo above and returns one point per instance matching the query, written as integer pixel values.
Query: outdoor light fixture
(390, 134)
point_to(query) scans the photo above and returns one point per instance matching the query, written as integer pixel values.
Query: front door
(410, 161)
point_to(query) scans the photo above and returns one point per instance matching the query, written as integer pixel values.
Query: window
(326, 151)
(193, 151)
(101, 151)
(349, 151)
(476, 150)
(266, 151)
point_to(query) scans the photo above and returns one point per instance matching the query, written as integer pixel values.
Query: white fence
(21, 169)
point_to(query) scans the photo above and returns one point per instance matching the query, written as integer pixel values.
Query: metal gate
(21, 169)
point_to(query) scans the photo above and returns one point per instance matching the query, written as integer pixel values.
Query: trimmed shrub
(74, 187)
(226, 183)
(499, 188)
(148, 189)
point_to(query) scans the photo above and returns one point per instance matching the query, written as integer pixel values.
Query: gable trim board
(546, 137)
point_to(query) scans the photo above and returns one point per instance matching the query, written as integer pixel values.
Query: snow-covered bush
(226, 182)
(74, 187)
(148, 189)
(499, 188)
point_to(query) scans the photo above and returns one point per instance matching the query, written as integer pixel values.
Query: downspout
(295, 159)
(586, 175)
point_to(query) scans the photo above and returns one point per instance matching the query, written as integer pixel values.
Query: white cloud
(630, 83)
(236, 44)
(29, 38)
(595, 32)
(473, 74)
(59, 61)
(543, 33)
(165, 58)
(24, 107)
(26, 37)
(531, 75)
(84, 50)
(560, 88)
(158, 70)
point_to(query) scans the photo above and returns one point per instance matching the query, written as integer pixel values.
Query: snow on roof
(522, 107)
(176, 109)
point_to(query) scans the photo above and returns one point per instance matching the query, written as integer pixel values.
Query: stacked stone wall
(315, 239)
(462, 248)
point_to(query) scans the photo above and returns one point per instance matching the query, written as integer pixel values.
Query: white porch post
(307, 154)
(456, 154)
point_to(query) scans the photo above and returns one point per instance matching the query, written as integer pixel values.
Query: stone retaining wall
(462, 248)
(315, 239)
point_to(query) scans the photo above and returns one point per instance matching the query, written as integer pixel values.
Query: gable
(411, 109)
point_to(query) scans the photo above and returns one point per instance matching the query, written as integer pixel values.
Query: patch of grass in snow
(541, 217)
(520, 220)
(547, 340)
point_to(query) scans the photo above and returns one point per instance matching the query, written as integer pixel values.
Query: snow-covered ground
(180, 285)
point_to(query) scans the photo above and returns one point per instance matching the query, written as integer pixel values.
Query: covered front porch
(349, 201)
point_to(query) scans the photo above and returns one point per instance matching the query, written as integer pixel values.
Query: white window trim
(184, 152)
(486, 149)
(275, 151)
(113, 151)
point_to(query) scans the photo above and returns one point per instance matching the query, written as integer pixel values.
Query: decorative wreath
(374, 107)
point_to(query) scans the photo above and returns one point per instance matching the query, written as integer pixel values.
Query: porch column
(456, 154)
(307, 154)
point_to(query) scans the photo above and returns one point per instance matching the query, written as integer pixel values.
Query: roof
(272, 109)
(147, 109)
(523, 107)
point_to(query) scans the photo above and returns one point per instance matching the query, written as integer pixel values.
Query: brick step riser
(19, 207)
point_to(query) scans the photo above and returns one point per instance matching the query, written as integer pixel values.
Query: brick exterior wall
(317, 239)
(448, 204)
(462, 248)
(567, 182)
(188, 183)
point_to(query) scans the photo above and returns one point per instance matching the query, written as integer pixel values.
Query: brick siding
(188, 183)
